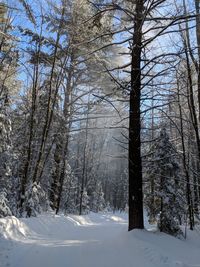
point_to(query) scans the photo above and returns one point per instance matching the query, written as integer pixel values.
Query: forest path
(95, 240)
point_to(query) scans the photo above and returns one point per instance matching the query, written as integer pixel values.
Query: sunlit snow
(94, 240)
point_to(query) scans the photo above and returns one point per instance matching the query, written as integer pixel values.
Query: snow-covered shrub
(85, 202)
(4, 205)
(35, 200)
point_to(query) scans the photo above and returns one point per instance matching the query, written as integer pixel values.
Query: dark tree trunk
(195, 188)
(152, 217)
(198, 46)
(83, 185)
(50, 109)
(135, 163)
(24, 180)
(55, 176)
(185, 165)
(62, 176)
(65, 130)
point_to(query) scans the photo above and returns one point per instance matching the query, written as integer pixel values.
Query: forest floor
(94, 240)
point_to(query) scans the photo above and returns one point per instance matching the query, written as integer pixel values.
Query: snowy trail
(96, 240)
(68, 241)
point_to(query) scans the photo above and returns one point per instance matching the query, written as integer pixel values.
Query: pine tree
(5, 162)
(163, 167)
(8, 58)
(97, 201)
(69, 193)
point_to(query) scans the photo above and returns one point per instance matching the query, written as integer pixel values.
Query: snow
(94, 240)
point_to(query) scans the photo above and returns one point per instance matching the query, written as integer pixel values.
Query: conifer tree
(163, 166)
(8, 59)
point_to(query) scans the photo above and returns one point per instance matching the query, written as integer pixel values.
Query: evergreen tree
(168, 199)
(8, 59)
(69, 193)
(35, 200)
(97, 201)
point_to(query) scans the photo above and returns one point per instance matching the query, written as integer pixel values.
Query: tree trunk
(185, 165)
(55, 176)
(135, 163)
(84, 163)
(65, 130)
(31, 130)
(198, 46)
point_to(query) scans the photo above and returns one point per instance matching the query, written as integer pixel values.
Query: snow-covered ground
(95, 240)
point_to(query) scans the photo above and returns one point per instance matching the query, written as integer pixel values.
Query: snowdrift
(14, 229)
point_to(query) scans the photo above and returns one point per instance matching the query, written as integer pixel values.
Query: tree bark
(31, 130)
(185, 165)
(198, 46)
(84, 163)
(65, 130)
(135, 163)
